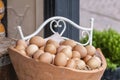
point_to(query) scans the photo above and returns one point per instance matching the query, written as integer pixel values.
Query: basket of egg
(56, 59)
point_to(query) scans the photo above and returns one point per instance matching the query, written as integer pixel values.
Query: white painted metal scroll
(57, 20)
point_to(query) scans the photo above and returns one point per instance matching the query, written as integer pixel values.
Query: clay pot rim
(103, 67)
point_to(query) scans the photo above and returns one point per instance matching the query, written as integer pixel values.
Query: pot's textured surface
(29, 69)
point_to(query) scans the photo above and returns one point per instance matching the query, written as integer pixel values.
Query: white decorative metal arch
(57, 21)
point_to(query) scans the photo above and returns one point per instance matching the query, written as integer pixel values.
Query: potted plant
(108, 41)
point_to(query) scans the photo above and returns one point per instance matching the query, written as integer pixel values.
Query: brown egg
(60, 59)
(69, 42)
(50, 48)
(21, 42)
(23, 52)
(37, 40)
(75, 59)
(94, 63)
(71, 63)
(67, 52)
(50, 41)
(80, 64)
(46, 58)
(97, 58)
(76, 54)
(90, 50)
(20, 47)
(81, 49)
(60, 48)
(31, 49)
(67, 46)
(37, 54)
(53, 58)
(87, 58)
(61, 42)
(42, 48)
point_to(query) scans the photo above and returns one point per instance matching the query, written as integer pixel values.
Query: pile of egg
(67, 53)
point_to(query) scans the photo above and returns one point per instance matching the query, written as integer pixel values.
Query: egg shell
(90, 50)
(67, 52)
(93, 63)
(61, 42)
(76, 54)
(75, 59)
(37, 54)
(37, 40)
(87, 58)
(50, 48)
(71, 64)
(97, 58)
(69, 42)
(80, 64)
(20, 47)
(46, 58)
(21, 42)
(81, 49)
(53, 58)
(23, 52)
(31, 49)
(60, 59)
(60, 48)
(69, 47)
(50, 41)
(42, 48)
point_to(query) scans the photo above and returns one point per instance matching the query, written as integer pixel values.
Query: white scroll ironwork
(57, 20)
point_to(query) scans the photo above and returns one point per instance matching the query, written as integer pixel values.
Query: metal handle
(57, 20)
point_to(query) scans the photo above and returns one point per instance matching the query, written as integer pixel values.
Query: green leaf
(108, 41)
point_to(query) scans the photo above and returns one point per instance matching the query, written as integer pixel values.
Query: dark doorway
(65, 8)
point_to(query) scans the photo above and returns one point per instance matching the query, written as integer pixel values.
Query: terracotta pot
(29, 69)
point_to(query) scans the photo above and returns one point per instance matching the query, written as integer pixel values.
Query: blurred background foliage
(109, 42)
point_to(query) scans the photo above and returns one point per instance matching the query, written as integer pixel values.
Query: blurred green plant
(109, 42)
